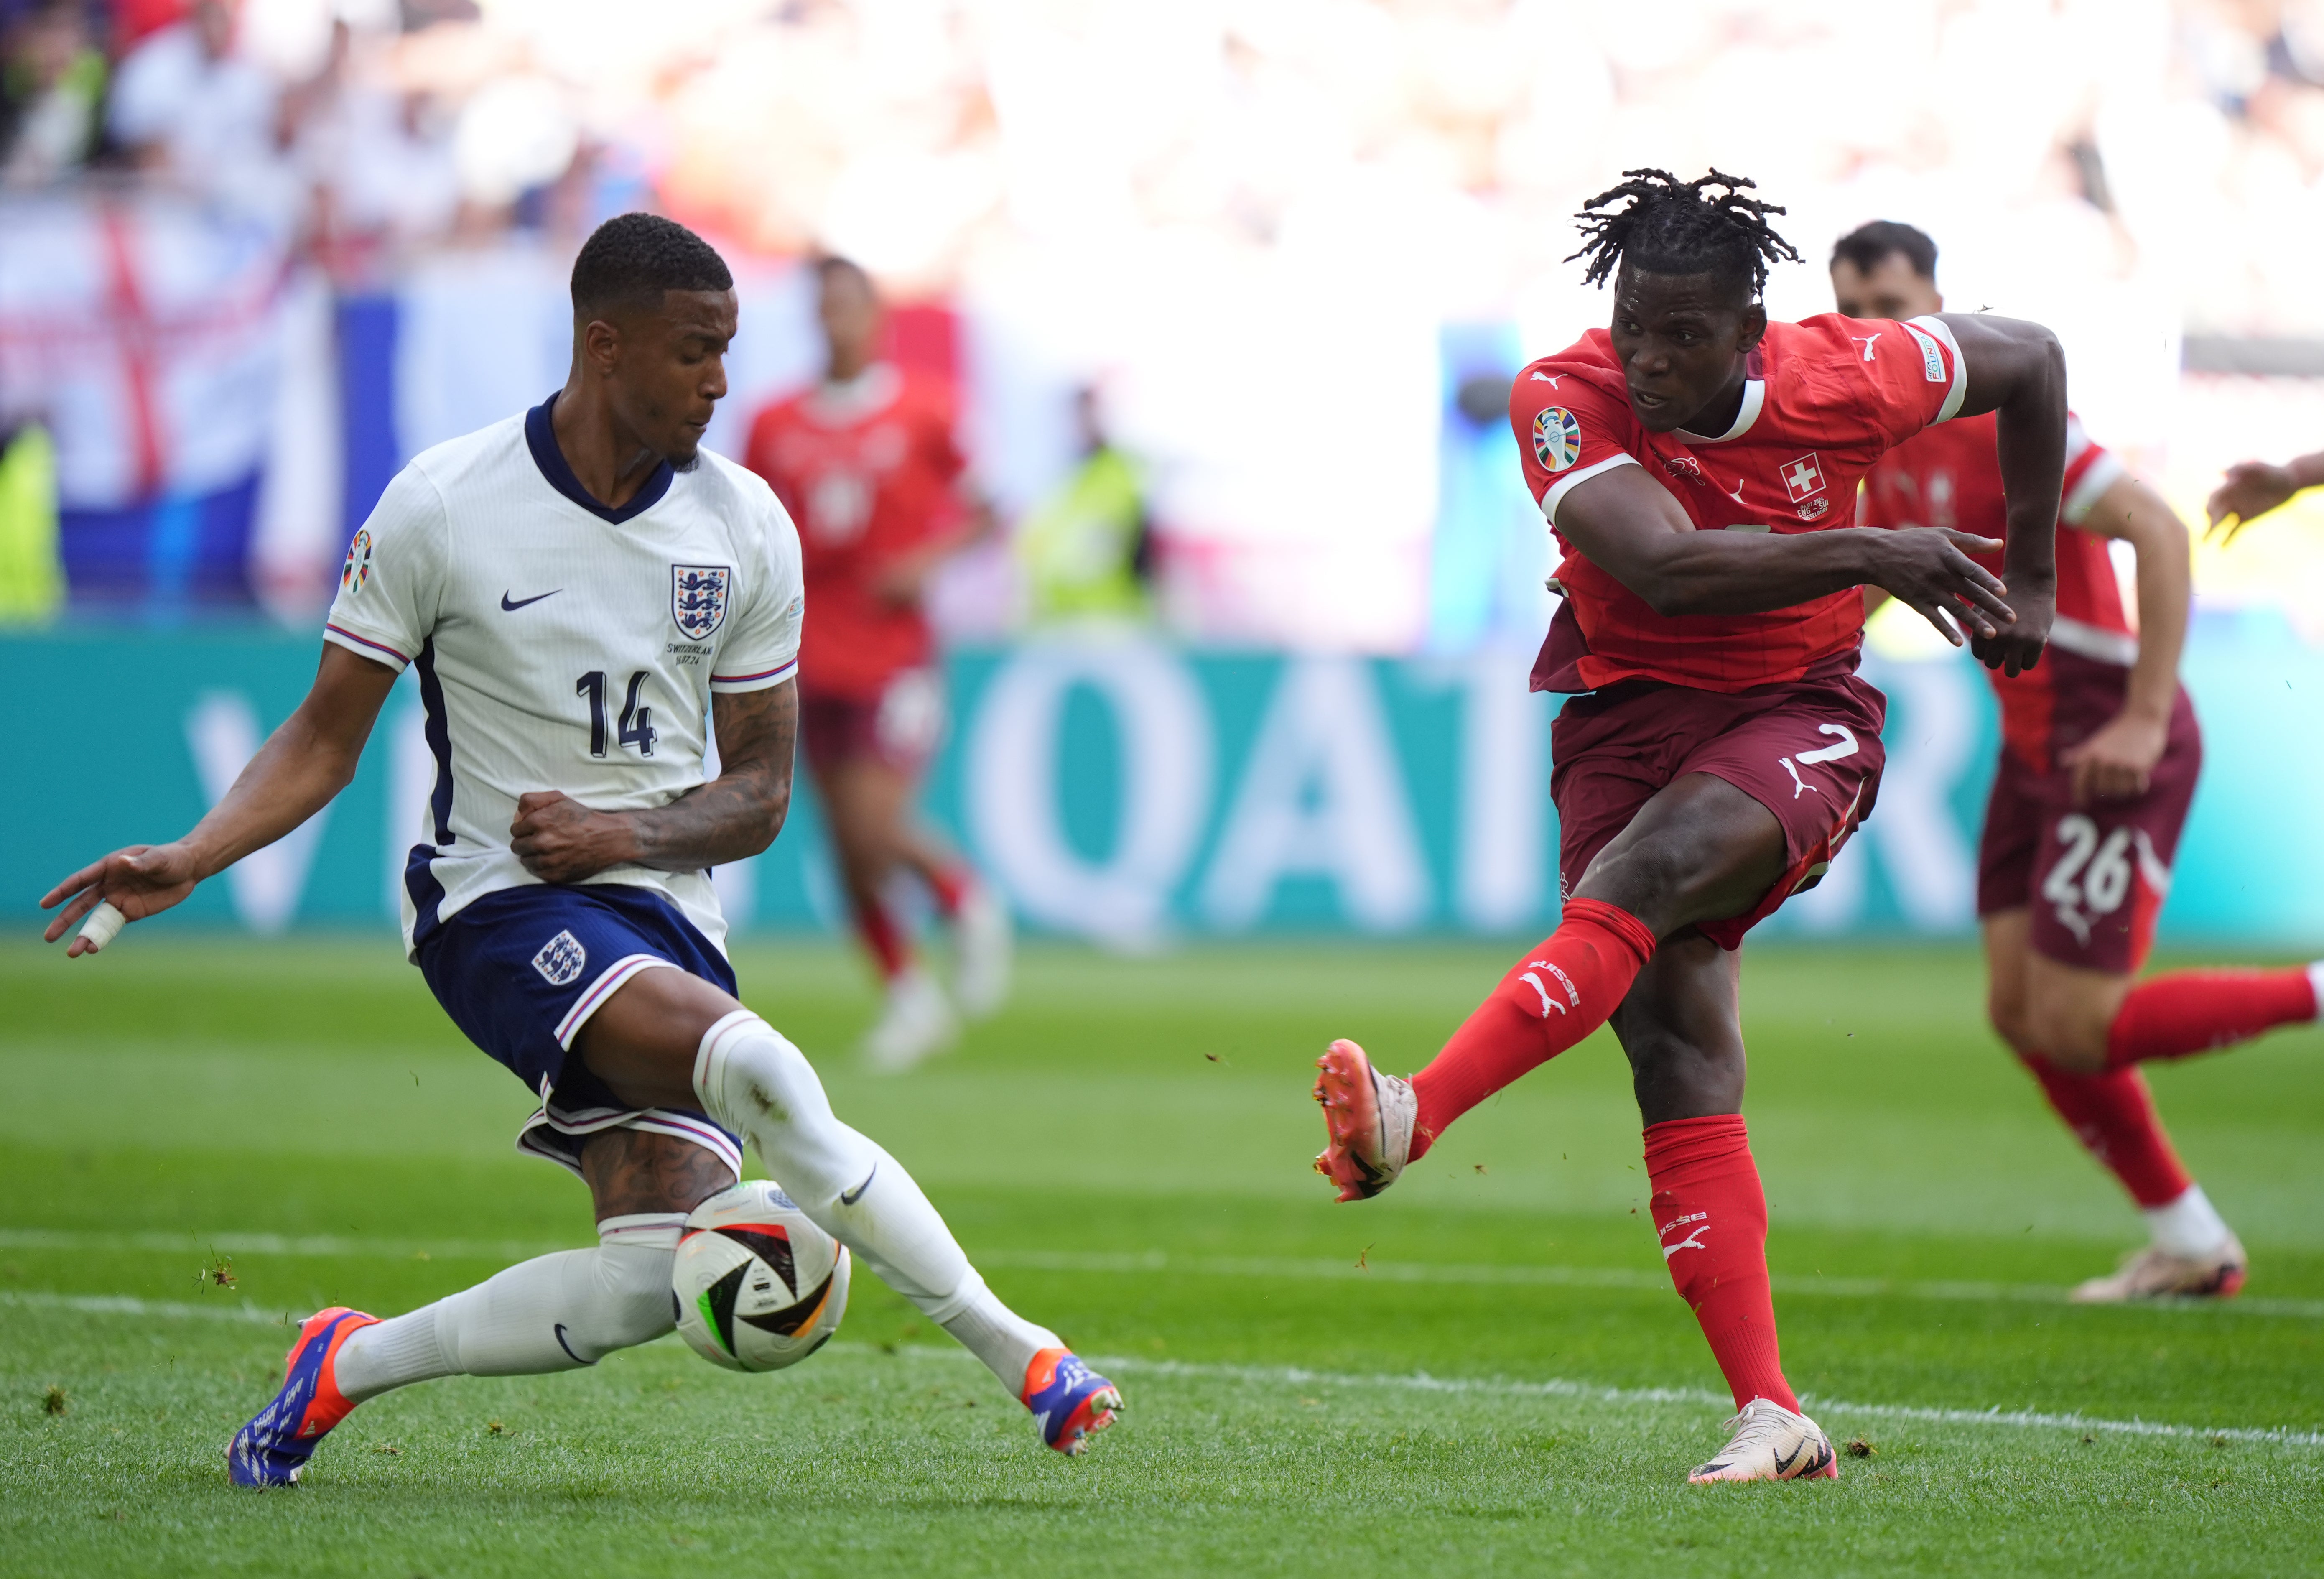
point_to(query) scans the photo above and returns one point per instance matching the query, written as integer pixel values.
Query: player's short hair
(1670, 227)
(1867, 246)
(629, 259)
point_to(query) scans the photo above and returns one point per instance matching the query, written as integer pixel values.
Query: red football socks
(1560, 992)
(949, 886)
(1711, 1217)
(2198, 1011)
(885, 939)
(2113, 1114)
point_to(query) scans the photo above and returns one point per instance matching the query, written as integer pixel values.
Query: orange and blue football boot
(1070, 1402)
(274, 1447)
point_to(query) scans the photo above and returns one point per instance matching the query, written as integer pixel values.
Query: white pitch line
(1689, 1397)
(352, 1247)
(1133, 1263)
(237, 1310)
(1626, 1278)
(1295, 1376)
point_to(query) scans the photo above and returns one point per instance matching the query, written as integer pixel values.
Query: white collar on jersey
(1755, 396)
(851, 400)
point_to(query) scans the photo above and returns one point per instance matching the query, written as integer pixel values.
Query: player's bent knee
(643, 1042)
(2007, 1016)
(2068, 1031)
(749, 1078)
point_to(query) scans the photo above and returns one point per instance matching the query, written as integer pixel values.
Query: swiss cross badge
(1804, 477)
(697, 597)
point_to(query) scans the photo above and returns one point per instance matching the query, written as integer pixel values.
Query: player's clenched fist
(560, 840)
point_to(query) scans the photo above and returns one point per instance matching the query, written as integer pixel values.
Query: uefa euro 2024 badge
(1556, 438)
(357, 569)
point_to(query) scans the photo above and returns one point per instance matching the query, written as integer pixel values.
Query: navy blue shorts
(520, 972)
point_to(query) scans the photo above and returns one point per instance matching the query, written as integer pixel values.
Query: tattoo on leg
(630, 1171)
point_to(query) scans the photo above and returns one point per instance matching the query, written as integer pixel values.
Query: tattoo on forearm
(739, 813)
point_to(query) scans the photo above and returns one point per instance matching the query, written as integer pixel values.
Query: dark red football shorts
(1808, 750)
(899, 728)
(2095, 876)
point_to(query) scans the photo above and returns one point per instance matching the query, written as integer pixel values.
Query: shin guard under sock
(1711, 1217)
(2113, 1116)
(1560, 991)
(2198, 1011)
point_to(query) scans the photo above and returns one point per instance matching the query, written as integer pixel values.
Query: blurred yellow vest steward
(32, 579)
(1079, 547)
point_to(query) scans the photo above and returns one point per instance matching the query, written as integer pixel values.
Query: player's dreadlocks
(1672, 227)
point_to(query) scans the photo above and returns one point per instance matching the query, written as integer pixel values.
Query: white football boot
(985, 943)
(2153, 1273)
(1367, 1120)
(1771, 1443)
(916, 1024)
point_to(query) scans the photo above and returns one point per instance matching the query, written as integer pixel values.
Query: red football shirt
(1823, 399)
(1951, 477)
(869, 471)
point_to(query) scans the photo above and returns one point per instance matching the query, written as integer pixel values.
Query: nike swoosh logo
(849, 1198)
(508, 608)
(561, 1325)
(1784, 1461)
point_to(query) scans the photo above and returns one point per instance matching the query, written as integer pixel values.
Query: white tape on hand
(104, 925)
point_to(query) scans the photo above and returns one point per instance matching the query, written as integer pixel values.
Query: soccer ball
(757, 1287)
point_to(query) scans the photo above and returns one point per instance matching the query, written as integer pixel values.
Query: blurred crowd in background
(253, 255)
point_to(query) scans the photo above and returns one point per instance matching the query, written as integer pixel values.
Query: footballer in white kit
(588, 598)
(552, 651)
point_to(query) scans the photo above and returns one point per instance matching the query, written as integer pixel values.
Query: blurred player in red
(1699, 467)
(867, 463)
(2098, 761)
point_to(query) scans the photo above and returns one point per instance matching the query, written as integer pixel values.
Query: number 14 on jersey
(636, 723)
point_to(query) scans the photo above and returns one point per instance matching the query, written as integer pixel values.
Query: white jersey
(561, 645)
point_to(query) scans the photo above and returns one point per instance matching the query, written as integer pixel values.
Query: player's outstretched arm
(2017, 370)
(293, 776)
(1628, 525)
(2254, 487)
(731, 817)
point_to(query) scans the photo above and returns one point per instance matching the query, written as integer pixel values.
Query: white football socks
(754, 1081)
(2190, 1226)
(554, 1313)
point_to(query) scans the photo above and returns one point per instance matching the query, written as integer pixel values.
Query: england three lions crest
(697, 598)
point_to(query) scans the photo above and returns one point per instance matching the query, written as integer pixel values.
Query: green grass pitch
(1485, 1372)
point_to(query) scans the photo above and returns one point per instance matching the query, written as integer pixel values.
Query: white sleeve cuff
(755, 676)
(1556, 492)
(365, 647)
(2100, 475)
(1936, 329)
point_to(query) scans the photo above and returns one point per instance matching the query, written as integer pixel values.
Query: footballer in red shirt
(869, 467)
(1699, 466)
(2098, 759)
